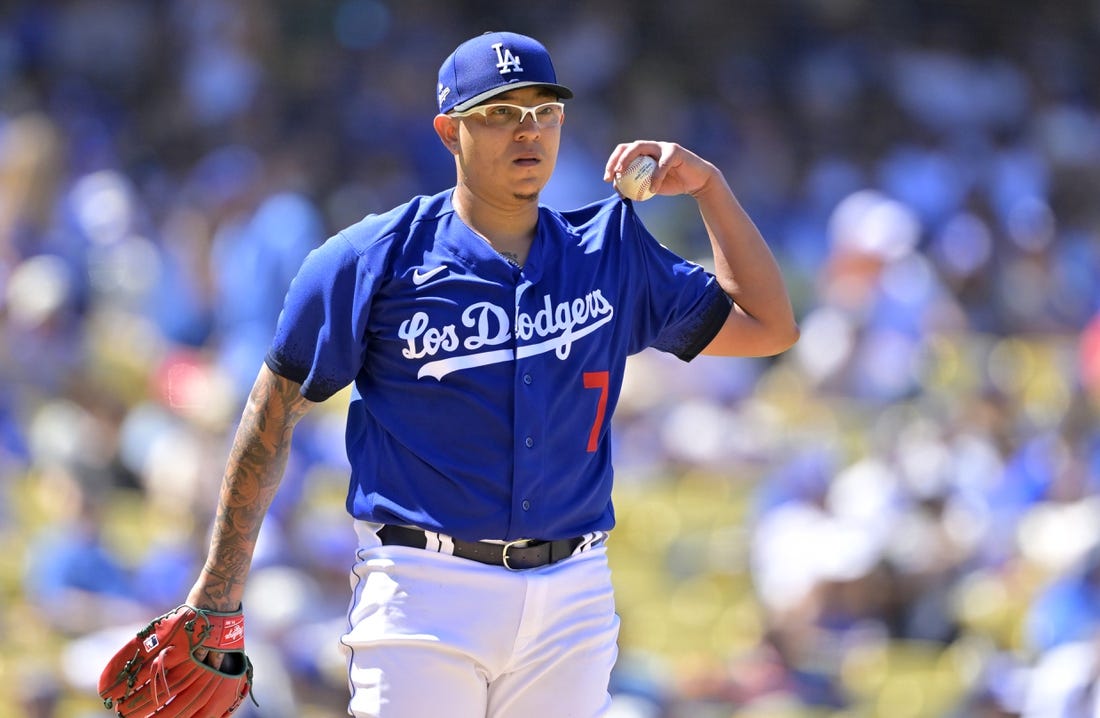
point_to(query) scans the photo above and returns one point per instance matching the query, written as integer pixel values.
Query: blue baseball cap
(493, 63)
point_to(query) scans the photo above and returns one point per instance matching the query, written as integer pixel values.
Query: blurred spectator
(1067, 610)
(72, 576)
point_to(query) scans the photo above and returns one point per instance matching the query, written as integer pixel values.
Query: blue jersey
(482, 391)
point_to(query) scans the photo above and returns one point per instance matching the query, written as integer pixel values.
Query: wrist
(216, 591)
(713, 180)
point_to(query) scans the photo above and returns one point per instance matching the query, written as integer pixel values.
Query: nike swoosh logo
(421, 277)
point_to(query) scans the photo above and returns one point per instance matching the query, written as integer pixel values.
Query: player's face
(513, 161)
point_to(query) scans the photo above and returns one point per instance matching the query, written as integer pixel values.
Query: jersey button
(529, 442)
(527, 379)
(526, 505)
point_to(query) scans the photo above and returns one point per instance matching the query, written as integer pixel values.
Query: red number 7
(597, 380)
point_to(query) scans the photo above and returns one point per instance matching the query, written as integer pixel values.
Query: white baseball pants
(435, 635)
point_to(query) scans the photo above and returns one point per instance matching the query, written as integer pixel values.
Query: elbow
(785, 338)
(760, 341)
(793, 334)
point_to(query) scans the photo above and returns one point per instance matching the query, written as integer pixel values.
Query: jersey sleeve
(688, 338)
(321, 337)
(680, 307)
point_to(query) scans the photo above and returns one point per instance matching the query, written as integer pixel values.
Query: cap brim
(561, 90)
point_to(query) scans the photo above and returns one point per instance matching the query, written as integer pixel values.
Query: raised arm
(253, 472)
(761, 322)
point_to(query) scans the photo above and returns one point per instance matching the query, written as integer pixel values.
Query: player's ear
(447, 129)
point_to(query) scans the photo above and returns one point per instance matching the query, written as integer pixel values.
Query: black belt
(514, 555)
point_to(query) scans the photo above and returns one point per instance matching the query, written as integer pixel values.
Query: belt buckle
(513, 544)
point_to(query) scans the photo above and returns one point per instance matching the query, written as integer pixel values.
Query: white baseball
(633, 182)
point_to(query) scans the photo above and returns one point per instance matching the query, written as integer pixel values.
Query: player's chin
(528, 191)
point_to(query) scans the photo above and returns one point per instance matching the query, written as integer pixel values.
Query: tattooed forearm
(253, 472)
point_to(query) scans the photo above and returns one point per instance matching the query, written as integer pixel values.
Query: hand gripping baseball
(677, 171)
(158, 673)
(634, 182)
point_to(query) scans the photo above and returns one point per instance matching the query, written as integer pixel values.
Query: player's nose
(528, 125)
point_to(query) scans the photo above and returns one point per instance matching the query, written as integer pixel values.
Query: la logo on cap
(506, 61)
(492, 63)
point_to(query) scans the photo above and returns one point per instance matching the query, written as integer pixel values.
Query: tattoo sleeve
(253, 472)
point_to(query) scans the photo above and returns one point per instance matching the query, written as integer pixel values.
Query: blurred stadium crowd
(899, 517)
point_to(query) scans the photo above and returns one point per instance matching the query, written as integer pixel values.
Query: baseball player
(485, 336)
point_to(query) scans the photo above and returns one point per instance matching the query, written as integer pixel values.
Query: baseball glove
(156, 672)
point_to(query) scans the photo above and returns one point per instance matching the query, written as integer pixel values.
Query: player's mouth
(527, 160)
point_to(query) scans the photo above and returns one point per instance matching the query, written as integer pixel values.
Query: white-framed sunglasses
(503, 114)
